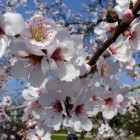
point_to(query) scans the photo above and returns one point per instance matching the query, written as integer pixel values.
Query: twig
(119, 29)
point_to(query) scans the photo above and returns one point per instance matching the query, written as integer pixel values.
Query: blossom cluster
(54, 61)
(106, 132)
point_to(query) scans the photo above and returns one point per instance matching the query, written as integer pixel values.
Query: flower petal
(4, 42)
(12, 23)
(19, 70)
(109, 112)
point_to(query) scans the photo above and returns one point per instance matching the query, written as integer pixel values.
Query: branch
(119, 29)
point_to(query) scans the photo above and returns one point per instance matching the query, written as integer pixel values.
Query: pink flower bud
(127, 15)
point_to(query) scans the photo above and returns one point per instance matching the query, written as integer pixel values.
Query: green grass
(64, 138)
(58, 138)
(134, 138)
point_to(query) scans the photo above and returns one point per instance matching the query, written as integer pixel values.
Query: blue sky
(75, 5)
(124, 79)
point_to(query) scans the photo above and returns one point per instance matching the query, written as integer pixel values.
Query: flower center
(34, 60)
(40, 31)
(113, 50)
(109, 101)
(36, 105)
(57, 55)
(104, 129)
(133, 36)
(38, 34)
(79, 110)
(57, 106)
(94, 98)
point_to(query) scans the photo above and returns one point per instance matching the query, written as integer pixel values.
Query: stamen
(133, 36)
(57, 106)
(108, 101)
(57, 55)
(79, 110)
(34, 60)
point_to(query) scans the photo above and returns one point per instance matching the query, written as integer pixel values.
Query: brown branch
(119, 29)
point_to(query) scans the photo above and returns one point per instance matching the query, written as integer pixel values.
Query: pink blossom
(127, 15)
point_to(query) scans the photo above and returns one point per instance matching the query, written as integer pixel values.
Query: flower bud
(127, 15)
(111, 16)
